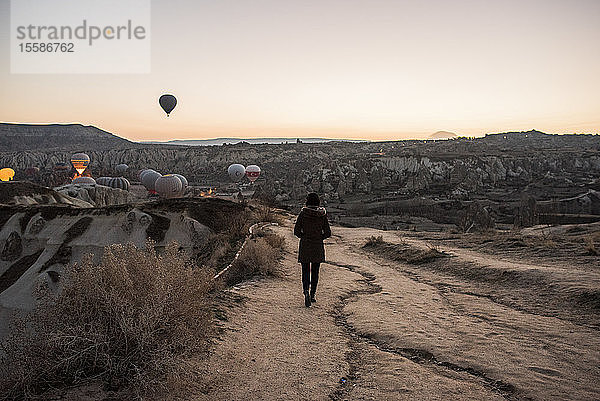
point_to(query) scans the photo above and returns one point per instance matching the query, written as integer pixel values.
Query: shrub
(475, 217)
(374, 241)
(590, 246)
(259, 257)
(266, 213)
(133, 322)
(274, 240)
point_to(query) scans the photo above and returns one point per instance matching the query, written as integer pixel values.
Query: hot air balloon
(142, 172)
(103, 181)
(80, 162)
(121, 168)
(236, 172)
(184, 183)
(149, 179)
(119, 182)
(7, 174)
(252, 172)
(168, 186)
(83, 180)
(168, 103)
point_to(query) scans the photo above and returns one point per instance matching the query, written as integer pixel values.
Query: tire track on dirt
(505, 390)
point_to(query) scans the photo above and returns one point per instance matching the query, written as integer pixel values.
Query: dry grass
(222, 246)
(266, 213)
(374, 241)
(133, 322)
(403, 252)
(590, 247)
(259, 257)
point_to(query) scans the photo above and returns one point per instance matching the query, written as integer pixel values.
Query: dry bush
(374, 241)
(403, 252)
(216, 251)
(274, 240)
(237, 225)
(267, 214)
(134, 321)
(475, 217)
(590, 246)
(258, 257)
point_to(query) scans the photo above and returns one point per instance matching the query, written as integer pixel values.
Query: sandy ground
(382, 330)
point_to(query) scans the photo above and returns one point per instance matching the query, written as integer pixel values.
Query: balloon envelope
(121, 168)
(103, 181)
(168, 103)
(184, 183)
(149, 179)
(7, 174)
(236, 172)
(119, 182)
(144, 172)
(184, 180)
(80, 161)
(168, 186)
(83, 180)
(252, 172)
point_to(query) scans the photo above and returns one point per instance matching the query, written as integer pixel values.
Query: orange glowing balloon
(80, 162)
(7, 174)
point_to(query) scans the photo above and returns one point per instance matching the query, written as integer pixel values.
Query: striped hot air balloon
(103, 181)
(168, 186)
(184, 183)
(80, 161)
(84, 180)
(119, 182)
(252, 172)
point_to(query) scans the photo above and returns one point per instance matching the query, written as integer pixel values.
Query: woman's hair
(313, 199)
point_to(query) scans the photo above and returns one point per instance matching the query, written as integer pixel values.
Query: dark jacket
(312, 228)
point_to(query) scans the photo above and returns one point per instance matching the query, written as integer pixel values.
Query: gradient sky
(369, 69)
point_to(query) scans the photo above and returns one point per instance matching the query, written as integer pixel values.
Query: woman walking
(312, 228)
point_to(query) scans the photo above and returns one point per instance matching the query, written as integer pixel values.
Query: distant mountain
(19, 137)
(442, 135)
(253, 141)
(531, 134)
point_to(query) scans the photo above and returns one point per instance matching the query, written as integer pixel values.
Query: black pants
(310, 276)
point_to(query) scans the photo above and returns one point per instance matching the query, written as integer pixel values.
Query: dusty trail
(384, 330)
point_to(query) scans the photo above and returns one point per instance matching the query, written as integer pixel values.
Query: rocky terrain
(494, 314)
(97, 195)
(38, 240)
(519, 177)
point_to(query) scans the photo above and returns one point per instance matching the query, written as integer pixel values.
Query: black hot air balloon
(168, 103)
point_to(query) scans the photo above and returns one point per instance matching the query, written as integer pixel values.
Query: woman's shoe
(306, 299)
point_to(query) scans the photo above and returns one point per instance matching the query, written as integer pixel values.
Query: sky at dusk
(367, 69)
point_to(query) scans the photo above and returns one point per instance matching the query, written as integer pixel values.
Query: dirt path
(385, 331)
